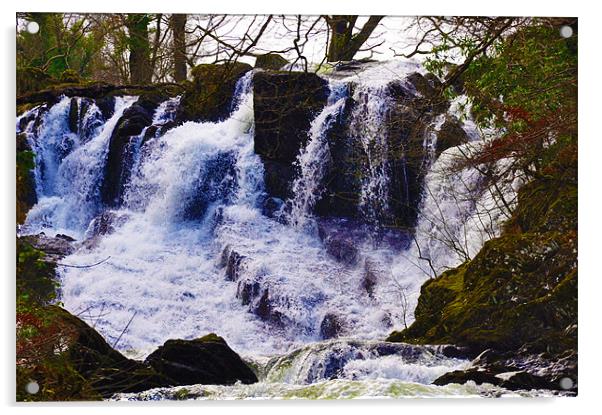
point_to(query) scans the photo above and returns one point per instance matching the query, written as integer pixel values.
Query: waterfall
(312, 160)
(369, 127)
(190, 251)
(69, 169)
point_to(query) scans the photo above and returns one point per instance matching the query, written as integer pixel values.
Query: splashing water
(312, 160)
(195, 195)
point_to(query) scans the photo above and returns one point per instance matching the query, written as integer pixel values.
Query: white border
(590, 289)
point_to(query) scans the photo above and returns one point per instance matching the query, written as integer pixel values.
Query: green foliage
(36, 280)
(533, 71)
(63, 50)
(521, 288)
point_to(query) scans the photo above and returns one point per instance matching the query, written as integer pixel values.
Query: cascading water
(69, 171)
(306, 188)
(189, 250)
(369, 127)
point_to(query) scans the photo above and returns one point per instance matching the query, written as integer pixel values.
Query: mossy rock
(209, 96)
(31, 79)
(70, 76)
(520, 290)
(91, 368)
(26, 186)
(270, 61)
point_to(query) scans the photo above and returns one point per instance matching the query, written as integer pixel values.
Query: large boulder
(208, 97)
(270, 61)
(122, 146)
(284, 103)
(207, 360)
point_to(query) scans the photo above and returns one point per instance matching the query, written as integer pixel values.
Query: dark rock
(270, 61)
(121, 152)
(207, 360)
(55, 247)
(103, 224)
(450, 134)
(105, 369)
(209, 96)
(273, 207)
(247, 291)
(371, 276)
(264, 308)
(284, 105)
(478, 376)
(106, 105)
(74, 115)
(278, 177)
(331, 327)
(342, 183)
(456, 352)
(233, 266)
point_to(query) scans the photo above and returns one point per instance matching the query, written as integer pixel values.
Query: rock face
(270, 61)
(106, 370)
(519, 293)
(209, 96)
(284, 105)
(54, 247)
(121, 150)
(450, 134)
(207, 360)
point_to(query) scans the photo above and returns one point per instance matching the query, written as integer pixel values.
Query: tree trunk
(140, 65)
(178, 22)
(343, 43)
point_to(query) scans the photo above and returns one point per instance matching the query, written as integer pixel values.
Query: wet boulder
(270, 61)
(122, 150)
(208, 97)
(340, 242)
(331, 327)
(371, 276)
(232, 261)
(451, 134)
(207, 360)
(284, 105)
(214, 181)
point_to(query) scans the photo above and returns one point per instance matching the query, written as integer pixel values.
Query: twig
(84, 266)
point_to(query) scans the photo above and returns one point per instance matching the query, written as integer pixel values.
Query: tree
(344, 44)
(178, 22)
(140, 64)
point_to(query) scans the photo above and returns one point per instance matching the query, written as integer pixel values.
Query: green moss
(26, 193)
(208, 96)
(211, 337)
(271, 61)
(520, 289)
